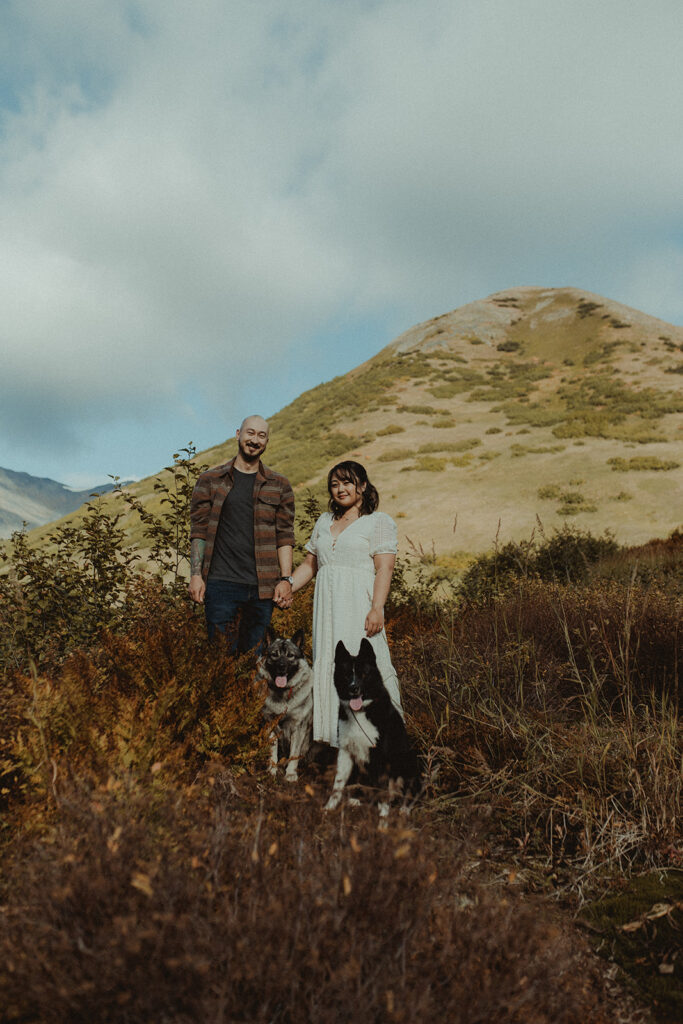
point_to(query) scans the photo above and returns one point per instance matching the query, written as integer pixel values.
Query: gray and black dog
(289, 678)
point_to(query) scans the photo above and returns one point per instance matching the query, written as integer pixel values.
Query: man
(241, 540)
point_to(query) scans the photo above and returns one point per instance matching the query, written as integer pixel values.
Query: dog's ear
(298, 639)
(340, 652)
(271, 635)
(366, 651)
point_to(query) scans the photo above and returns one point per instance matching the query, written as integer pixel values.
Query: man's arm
(200, 510)
(197, 585)
(284, 539)
(283, 591)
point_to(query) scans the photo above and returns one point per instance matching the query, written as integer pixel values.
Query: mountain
(36, 500)
(522, 411)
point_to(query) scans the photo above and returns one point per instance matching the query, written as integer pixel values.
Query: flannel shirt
(273, 518)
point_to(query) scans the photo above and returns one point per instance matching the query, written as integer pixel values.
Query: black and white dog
(290, 699)
(372, 736)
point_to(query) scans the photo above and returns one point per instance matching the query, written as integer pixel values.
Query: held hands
(282, 596)
(197, 589)
(374, 622)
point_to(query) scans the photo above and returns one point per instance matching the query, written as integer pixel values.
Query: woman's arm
(384, 568)
(305, 572)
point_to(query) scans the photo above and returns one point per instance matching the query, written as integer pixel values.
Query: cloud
(195, 199)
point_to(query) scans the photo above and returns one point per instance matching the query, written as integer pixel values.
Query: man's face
(252, 438)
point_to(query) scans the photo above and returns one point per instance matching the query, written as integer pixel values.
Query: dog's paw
(272, 768)
(353, 801)
(291, 776)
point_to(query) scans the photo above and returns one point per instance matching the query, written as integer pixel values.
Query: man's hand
(197, 589)
(283, 594)
(374, 622)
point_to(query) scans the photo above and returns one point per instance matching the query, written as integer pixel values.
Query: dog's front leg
(344, 769)
(296, 751)
(273, 753)
(292, 770)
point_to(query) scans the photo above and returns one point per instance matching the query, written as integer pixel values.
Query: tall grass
(151, 869)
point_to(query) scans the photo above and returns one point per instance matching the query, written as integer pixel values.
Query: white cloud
(190, 194)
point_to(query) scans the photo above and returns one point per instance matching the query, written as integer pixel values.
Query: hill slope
(533, 403)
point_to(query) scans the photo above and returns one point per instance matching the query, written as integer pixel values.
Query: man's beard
(250, 456)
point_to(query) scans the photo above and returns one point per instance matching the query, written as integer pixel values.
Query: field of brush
(152, 870)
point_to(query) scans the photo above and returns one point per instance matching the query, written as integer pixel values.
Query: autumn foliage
(153, 870)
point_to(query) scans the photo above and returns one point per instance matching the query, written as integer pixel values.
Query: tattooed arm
(197, 584)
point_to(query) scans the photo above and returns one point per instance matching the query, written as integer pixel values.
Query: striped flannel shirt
(273, 518)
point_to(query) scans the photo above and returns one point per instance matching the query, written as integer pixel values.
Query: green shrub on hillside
(449, 446)
(517, 449)
(571, 502)
(642, 463)
(396, 454)
(566, 556)
(419, 410)
(429, 464)
(535, 414)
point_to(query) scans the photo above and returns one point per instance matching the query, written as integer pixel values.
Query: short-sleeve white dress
(342, 600)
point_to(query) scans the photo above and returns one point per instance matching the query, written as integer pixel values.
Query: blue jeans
(223, 603)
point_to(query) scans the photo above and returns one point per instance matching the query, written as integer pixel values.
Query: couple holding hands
(242, 540)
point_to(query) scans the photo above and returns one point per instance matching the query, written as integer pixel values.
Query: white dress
(343, 598)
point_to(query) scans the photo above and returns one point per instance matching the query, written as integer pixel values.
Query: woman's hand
(283, 594)
(374, 622)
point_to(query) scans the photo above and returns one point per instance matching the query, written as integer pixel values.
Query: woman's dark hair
(357, 474)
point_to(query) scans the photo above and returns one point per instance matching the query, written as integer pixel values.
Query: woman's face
(346, 493)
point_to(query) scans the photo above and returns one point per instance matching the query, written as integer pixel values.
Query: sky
(207, 208)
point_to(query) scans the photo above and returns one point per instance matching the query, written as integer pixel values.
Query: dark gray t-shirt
(233, 554)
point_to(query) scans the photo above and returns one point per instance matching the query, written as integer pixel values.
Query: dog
(289, 678)
(372, 735)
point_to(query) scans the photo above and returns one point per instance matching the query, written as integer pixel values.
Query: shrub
(430, 465)
(642, 463)
(418, 410)
(392, 428)
(396, 454)
(449, 446)
(569, 554)
(162, 906)
(566, 556)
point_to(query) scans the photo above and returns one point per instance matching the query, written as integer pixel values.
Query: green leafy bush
(566, 556)
(642, 463)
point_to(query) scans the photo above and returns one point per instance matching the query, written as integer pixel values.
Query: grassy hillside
(535, 404)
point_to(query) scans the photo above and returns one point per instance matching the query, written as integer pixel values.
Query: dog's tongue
(281, 681)
(356, 703)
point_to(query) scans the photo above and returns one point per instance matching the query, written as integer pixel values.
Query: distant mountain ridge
(37, 500)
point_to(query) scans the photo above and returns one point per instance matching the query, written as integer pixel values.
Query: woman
(352, 551)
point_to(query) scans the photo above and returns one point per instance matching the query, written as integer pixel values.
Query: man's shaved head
(254, 421)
